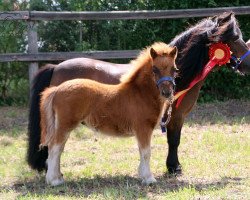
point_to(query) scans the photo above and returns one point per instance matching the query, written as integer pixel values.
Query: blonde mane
(144, 59)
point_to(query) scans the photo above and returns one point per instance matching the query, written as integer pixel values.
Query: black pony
(193, 47)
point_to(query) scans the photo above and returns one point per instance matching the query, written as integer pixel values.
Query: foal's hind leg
(54, 176)
(144, 141)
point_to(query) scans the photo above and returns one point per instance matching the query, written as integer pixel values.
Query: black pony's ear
(227, 17)
(153, 53)
(214, 18)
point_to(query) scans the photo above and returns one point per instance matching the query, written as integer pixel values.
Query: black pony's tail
(37, 157)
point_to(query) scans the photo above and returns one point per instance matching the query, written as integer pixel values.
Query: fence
(33, 56)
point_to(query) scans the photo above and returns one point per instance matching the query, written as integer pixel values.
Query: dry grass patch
(214, 152)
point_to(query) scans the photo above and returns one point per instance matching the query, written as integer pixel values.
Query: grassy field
(214, 152)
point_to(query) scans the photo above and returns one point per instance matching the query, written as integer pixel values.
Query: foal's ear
(174, 52)
(153, 53)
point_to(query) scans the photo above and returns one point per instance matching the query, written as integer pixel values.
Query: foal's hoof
(55, 182)
(175, 170)
(149, 181)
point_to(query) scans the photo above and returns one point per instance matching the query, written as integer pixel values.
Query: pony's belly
(108, 128)
(114, 134)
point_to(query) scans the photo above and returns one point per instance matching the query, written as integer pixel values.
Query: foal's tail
(47, 116)
(37, 158)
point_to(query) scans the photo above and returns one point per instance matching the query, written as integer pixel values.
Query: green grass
(215, 159)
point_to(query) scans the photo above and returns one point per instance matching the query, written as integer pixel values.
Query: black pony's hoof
(176, 171)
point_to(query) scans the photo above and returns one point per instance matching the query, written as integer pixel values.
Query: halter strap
(165, 78)
(238, 60)
(245, 55)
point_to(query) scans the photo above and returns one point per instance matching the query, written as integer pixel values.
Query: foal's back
(112, 109)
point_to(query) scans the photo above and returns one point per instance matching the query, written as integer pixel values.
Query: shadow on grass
(229, 112)
(115, 186)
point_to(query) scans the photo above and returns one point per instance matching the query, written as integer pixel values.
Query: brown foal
(131, 108)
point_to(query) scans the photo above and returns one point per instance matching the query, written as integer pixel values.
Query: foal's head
(155, 65)
(164, 67)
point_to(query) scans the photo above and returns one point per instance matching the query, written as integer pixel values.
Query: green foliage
(63, 40)
(224, 85)
(13, 76)
(14, 84)
(116, 35)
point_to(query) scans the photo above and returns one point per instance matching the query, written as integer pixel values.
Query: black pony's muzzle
(241, 64)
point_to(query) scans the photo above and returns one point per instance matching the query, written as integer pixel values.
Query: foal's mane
(144, 61)
(193, 45)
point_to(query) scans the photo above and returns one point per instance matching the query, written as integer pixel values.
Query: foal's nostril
(166, 93)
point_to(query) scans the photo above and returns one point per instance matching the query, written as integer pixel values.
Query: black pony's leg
(175, 125)
(173, 137)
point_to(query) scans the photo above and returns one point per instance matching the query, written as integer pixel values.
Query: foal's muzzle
(166, 86)
(166, 92)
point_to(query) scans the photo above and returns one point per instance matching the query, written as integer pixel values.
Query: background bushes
(109, 35)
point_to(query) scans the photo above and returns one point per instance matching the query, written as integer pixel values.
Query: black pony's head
(193, 46)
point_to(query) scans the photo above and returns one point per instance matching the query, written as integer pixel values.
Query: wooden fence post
(32, 48)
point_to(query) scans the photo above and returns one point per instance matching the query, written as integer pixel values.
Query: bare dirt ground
(224, 112)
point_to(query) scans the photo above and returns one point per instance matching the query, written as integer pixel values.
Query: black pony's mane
(193, 45)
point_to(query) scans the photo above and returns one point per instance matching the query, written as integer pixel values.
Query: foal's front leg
(144, 141)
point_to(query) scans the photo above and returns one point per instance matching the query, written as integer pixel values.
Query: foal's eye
(155, 70)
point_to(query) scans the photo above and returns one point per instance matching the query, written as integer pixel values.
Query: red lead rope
(219, 54)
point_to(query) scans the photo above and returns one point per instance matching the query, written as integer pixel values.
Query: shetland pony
(192, 47)
(129, 108)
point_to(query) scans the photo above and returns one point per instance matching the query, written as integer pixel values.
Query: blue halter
(165, 78)
(238, 60)
(165, 120)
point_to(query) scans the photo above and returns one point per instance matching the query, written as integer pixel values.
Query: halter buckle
(238, 60)
(164, 121)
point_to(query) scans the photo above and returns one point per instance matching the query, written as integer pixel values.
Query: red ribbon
(219, 54)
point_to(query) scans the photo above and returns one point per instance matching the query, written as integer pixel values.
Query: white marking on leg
(144, 167)
(54, 176)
